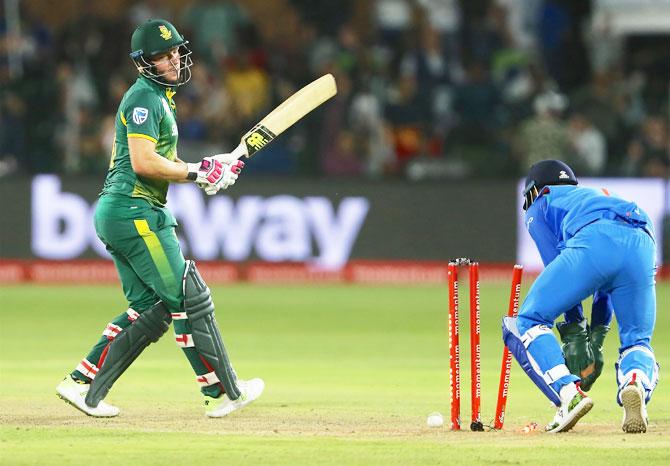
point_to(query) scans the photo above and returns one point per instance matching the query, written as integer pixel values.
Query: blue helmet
(546, 173)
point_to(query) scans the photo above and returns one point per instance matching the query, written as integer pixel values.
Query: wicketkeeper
(139, 232)
(592, 243)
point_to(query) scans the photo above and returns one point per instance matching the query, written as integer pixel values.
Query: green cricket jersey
(146, 111)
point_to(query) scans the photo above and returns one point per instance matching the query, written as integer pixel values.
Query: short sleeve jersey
(146, 111)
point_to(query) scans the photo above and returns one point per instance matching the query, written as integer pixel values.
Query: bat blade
(287, 114)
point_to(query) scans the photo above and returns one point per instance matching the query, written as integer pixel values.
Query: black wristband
(191, 176)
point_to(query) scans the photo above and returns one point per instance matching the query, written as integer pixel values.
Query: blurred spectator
(249, 88)
(561, 41)
(522, 18)
(649, 152)
(404, 92)
(544, 135)
(143, 11)
(337, 148)
(374, 137)
(12, 123)
(392, 18)
(444, 20)
(476, 103)
(212, 27)
(601, 101)
(92, 155)
(192, 126)
(589, 151)
(76, 91)
(91, 42)
(407, 116)
(604, 46)
(486, 32)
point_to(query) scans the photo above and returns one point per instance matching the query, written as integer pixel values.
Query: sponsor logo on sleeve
(140, 115)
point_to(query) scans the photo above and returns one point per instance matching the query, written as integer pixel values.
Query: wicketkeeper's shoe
(634, 408)
(570, 412)
(222, 406)
(74, 392)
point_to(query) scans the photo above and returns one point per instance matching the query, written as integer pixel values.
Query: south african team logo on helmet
(159, 37)
(166, 34)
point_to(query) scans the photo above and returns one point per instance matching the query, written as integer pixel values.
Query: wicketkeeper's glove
(577, 350)
(597, 336)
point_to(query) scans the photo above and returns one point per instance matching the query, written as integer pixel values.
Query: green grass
(351, 373)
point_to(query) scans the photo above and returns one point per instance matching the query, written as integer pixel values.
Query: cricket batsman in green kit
(139, 232)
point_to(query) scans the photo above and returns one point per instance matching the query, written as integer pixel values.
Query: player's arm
(574, 331)
(142, 113)
(545, 239)
(209, 173)
(147, 163)
(548, 245)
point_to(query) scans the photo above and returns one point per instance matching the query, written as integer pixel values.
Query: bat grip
(240, 150)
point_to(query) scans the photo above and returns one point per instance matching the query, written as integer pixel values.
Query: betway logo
(278, 228)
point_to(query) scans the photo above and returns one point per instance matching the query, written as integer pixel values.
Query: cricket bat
(285, 115)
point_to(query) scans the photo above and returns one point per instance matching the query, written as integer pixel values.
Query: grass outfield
(351, 373)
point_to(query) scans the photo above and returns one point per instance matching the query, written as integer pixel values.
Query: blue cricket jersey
(559, 212)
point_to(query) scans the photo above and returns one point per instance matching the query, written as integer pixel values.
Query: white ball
(435, 420)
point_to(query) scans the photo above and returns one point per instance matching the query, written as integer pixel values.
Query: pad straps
(126, 347)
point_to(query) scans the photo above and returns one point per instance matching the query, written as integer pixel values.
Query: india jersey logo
(528, 222)
(140, 115)
(166, 34)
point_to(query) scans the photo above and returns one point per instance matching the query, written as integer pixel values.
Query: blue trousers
(608, 256)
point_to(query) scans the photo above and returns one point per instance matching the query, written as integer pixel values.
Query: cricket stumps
(476, 423)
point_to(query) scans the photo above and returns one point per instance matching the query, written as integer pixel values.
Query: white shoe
(634, 409)
(570, 412)
(75, 393)
(222, 406)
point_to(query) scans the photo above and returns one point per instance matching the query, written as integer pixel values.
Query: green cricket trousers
(142, 241)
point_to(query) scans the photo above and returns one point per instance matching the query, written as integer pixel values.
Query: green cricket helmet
(154, 38)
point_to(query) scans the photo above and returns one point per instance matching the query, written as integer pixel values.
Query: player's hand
(230, 174)
(597, 336)
(209, 172)
(577, 350)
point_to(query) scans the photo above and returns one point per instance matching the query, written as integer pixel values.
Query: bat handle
(240, 150)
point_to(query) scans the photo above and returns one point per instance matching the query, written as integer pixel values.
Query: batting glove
(208, 172)
(230, 174)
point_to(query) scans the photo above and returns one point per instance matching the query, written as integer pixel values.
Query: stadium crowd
(427, 88)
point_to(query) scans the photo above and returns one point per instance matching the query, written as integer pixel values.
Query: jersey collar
(168, 91)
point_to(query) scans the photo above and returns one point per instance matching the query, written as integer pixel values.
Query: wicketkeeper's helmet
(156, 37)
(546, 173)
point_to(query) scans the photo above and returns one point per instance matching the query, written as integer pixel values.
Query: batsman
(592, 243)
(137, 229)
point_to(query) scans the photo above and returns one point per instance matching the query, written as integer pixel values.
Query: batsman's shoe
(569, 413)
(222, 406)
(634, 409)
(74, 392)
